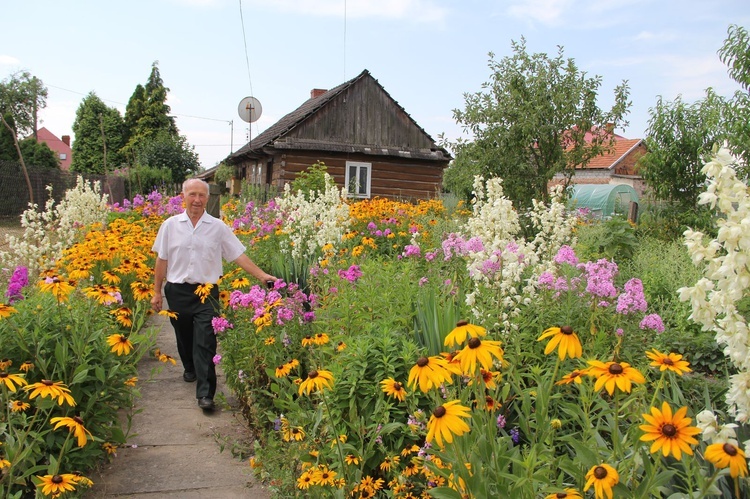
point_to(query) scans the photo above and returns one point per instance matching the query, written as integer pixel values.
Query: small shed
(605, 200)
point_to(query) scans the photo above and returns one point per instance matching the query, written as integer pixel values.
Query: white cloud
(649, 36)
(8, 60)
(416, 10)
(547, 12)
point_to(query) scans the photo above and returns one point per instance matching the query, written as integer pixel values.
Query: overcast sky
(425, 53)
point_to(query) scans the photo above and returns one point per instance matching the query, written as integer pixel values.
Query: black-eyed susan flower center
(575, 374)
(667, 361)
(439, 412)
(423, 361)
(615, 369)
(77, 420)
(474, 343)
(600, 472)
(730, 450)
(397, 386)
(47, 382)
(561, 495)
(312, 374)
(668, 430)
(461, 323)
(57, 479)
(566, 330)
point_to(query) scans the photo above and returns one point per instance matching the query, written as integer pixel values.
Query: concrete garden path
(175, 449)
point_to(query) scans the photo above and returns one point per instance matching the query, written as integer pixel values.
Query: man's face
(196, 197)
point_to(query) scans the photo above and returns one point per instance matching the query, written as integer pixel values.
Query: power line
(247, 57)
(123, 104)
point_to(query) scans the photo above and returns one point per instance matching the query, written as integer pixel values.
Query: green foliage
(224, 173)
(679, 140)
(681, 136)
(38, 154)
(611, 239)
(530, 121)
(147, 113)
(97, 128)
(66, 342)
(22, 96)
(144, 179)
(312, 180)
(458, 178)
(165, 151)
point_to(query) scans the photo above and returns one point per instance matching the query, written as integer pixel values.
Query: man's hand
(156, 302)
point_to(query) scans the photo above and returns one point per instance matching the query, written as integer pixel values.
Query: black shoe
(206, 403)
(188, 376)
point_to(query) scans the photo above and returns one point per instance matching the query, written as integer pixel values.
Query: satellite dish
(249, 109)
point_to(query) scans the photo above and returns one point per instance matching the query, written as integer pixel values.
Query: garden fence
(14, 191)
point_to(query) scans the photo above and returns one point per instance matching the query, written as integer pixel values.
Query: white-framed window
(63, 156)
(358, 177)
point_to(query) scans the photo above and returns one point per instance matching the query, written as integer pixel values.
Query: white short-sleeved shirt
(194, 254)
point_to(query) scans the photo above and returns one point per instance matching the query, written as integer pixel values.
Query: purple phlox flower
(379, 233)
(653, 322)
(430, 255)
(600, 276)
(277, 423)
(333, 290)
(18, 281)
(546, 279)
(217, 359)
(412, 250)
(221, 324)
(423, 281)
(566, 255)
(284, 314)
(413, 229)
(501, 421)
(138, 200)
(619, 331)
(351, 274)
(308, 317)
(632, 299)
(371, 226)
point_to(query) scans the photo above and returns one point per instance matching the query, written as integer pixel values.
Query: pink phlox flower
(566, 255)
(632, 299)
(653, 322)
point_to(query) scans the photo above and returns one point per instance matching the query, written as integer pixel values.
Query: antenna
(249, 110)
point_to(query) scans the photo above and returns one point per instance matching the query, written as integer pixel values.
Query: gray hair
(188, 181)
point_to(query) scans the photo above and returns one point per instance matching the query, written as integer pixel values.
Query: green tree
(168, 152)
(536, 117)
(312, 180)
(147, 112)
(100, 136)
(38, 154)
(681, 136)
(22, 96)
(679, 140)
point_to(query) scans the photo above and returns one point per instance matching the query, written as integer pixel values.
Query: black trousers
(196, 341)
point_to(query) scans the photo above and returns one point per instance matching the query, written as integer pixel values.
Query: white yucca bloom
(311, 224)
(501, 272)
(726, 274)
(48, 233)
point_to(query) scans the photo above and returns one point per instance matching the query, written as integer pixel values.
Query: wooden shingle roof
(276, 136)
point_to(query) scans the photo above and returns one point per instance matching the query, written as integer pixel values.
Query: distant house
(367, 141)
(616, 166)
(60, 146)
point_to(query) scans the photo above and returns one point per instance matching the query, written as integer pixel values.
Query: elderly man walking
(190, 248)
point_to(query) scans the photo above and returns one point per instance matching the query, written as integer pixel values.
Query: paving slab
(176, 450)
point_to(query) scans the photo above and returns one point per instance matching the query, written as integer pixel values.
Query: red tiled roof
(57, 145)
(620, 148)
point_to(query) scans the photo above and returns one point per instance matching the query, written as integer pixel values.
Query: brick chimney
(66, 140)
(317, 92)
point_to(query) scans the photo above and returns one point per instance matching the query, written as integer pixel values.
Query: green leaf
(444, 493)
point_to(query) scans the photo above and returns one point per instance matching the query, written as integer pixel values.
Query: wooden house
(367, 141)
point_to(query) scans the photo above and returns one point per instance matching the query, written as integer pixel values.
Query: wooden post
(214, 200)
(633, 212)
